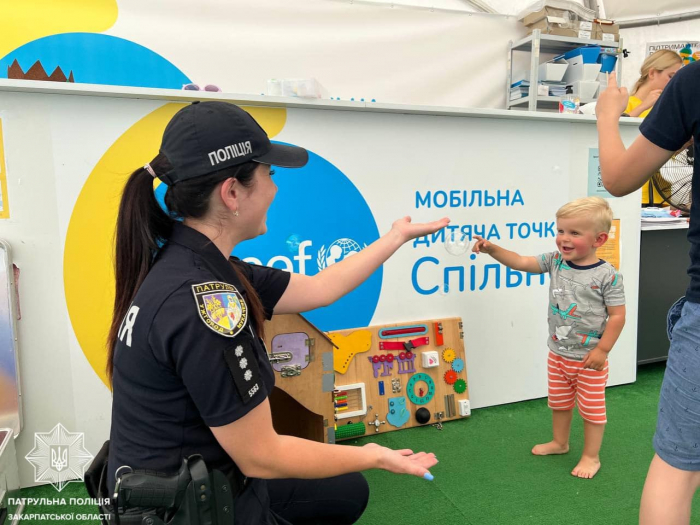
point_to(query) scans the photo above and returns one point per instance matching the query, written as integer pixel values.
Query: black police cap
(209, 136)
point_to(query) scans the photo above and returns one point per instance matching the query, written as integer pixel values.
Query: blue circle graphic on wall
(93, 59)
(318, 218)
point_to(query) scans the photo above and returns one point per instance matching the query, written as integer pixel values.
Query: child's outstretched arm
(513, 260)
(595, 359)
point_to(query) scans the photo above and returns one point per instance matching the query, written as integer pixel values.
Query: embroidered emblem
(221, 307)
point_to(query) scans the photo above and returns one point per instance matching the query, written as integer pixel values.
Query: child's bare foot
(545, 449)
(587, 467)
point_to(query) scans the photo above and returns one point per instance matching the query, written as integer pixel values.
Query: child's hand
(482, 245)
(595, 359)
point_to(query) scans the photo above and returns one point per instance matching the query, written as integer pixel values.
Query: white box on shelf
(550, 71)
(586, 89)
(577, 70)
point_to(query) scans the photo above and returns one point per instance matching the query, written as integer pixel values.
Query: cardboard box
(599, 34)
(554, 26)
(547, 11)
(606, 32)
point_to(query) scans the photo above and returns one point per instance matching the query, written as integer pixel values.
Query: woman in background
(656, 71)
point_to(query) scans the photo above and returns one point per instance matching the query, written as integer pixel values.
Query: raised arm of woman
(308, 292)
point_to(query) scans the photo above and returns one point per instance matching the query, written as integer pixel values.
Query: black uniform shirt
(187, 359)
(675, 119)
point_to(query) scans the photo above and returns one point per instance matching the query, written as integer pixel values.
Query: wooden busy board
(370, 384)
(329, 389)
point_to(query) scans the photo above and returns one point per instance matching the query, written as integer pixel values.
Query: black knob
(422, 415)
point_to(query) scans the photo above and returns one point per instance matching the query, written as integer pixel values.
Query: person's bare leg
(589, 463)
(561, 427)
(668, 494)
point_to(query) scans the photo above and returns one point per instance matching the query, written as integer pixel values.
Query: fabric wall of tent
(419, 52)
(640, 22)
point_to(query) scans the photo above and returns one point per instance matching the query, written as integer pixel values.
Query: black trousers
(332, 501)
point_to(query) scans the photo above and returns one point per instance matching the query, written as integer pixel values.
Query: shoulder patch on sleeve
(240, 358)
(221, 307)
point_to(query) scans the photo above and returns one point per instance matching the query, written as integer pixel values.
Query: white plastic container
(586, 89)
(551, 72)
(577, 70)
(295, 87)
(301, 87)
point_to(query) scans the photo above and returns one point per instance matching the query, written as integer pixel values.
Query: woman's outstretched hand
(405, 461)
(408, 230)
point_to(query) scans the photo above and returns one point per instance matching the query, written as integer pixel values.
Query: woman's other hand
(404, 461)
(651, 99)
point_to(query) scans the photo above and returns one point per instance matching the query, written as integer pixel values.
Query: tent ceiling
(625, 9)
(619, 10)
(615, 9)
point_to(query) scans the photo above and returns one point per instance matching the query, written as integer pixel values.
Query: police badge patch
(221, 307)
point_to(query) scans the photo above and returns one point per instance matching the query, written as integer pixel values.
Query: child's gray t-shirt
(578, 298)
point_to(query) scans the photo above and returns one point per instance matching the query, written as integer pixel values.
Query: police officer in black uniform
(189, 370)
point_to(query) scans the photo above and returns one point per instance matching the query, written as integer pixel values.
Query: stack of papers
(519, 89)
(662, 218)
(556, 89)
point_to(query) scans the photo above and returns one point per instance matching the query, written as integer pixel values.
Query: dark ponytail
(143, 227)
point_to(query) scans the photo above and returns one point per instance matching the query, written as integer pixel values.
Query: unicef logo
(336, 252)
(318, 219)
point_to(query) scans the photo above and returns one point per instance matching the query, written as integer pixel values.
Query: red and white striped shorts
(570, 384)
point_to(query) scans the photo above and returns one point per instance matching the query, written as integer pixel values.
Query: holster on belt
(192, 496)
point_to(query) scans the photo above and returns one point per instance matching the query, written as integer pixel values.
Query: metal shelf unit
(536, 44)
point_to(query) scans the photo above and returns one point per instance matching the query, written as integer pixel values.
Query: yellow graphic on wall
(23, 21)
(88, 267)
(4, 197)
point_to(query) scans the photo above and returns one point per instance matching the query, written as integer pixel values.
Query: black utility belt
(193, 495)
